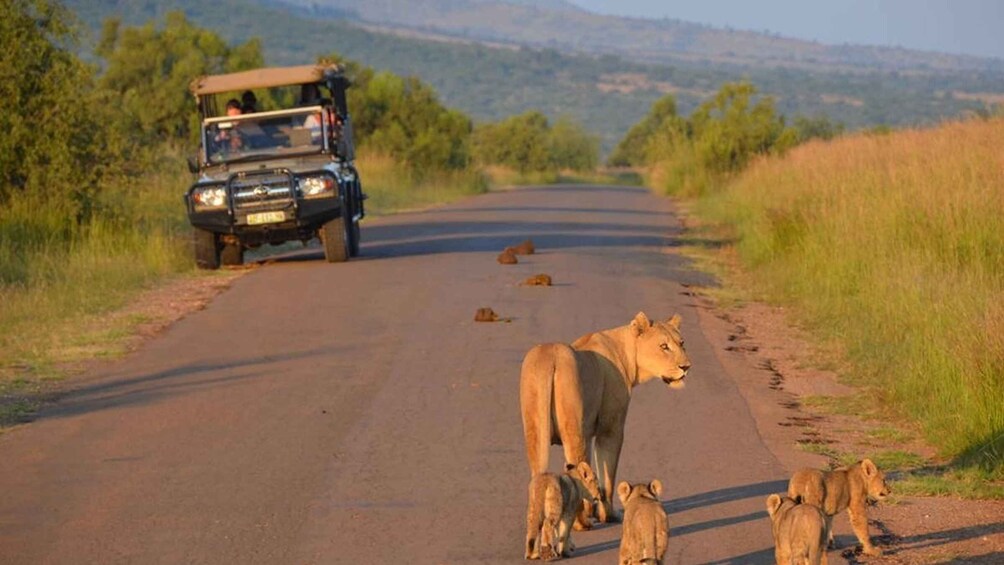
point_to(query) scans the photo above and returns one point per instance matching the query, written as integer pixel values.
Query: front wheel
(354, 244)
(336, 241)
(232, 254)
(206, 247)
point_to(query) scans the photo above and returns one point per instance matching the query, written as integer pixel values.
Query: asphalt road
(355, 413)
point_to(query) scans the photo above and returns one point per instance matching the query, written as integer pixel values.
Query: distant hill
(605, 93)
(564, 26)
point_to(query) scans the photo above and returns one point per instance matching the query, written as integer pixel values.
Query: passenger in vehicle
(229, 136)
(249, 103)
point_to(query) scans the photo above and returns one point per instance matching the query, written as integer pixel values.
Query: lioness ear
(623, 490)
(585, 471)
(675, 321)
(869, 468)
(640, 323)
(773, 502)
(656, 487)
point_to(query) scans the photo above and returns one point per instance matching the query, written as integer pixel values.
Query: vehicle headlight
(209, 197)
(317, 187)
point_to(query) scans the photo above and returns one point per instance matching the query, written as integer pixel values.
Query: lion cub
(554, 502)
(646, 529)
(799, 531)
(845, 488)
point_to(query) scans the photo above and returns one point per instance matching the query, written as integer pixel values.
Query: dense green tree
(55, 146)
(631, 150)
(521, 142)
(149, 68)
(572, 147)
(731, 128)
(403, 118)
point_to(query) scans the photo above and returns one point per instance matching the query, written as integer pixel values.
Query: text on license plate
(266, 218)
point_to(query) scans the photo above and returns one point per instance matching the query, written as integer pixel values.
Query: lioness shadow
(725, 495)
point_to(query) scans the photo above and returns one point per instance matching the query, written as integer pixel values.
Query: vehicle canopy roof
(265, 78)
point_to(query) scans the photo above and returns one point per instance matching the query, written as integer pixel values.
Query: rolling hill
(607, 93)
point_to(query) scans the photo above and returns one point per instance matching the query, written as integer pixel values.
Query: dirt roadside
(770, 361)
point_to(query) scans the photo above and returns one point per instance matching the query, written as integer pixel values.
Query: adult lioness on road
(571, 395)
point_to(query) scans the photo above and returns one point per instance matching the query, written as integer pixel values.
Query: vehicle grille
(255, 192)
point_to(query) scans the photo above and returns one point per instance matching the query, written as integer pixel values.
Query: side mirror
(193, 167)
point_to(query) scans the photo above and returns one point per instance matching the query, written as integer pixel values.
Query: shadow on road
(144, 389)
(726, 495)
(762, 557)
(894, 544)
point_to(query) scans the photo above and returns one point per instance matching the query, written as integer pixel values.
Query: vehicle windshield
(284, 132)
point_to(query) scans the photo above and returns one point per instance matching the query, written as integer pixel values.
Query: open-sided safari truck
(278, 175)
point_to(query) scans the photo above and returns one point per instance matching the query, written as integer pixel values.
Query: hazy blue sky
(974, 27)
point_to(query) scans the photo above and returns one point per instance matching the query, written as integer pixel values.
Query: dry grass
(392, 186)
(894, 246)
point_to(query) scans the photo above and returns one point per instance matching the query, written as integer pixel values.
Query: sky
(972, 27)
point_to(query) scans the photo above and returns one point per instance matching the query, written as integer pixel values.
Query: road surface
(355, 413)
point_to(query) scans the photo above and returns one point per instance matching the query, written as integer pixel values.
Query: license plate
(266, 218)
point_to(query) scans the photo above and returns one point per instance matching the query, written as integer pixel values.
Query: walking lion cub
(646, 529)
(799, 532)
(845, 488)
(554, 501)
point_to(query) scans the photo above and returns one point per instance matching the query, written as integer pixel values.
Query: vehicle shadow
(115, 391)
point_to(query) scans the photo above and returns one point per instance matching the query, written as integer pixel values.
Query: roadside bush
(527, 143)
(690, 156)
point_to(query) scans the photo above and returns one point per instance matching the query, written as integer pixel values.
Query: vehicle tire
(354, 241)
(336, 240)
(232, 254)
(205, 245)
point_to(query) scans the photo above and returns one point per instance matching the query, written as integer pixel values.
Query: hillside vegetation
(565, 26)
(606, 93)
(893, 247)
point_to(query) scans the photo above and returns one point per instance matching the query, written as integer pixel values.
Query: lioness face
(661, 353)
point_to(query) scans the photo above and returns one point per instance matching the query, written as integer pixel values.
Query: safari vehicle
(274, 176)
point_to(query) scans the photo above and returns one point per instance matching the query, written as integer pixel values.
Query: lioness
(845, 488)
(554, 501)
(646, 529)
(799, 532)
(571, 395)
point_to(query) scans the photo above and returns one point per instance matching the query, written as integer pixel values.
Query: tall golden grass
(893, 245)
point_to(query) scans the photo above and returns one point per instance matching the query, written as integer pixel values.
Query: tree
(521, 142)
(149, 69)
(55, 145)
(631, 151)
(572, 147)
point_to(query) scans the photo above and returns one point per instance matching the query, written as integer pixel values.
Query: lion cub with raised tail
(799, 532)
(554, 502)
(646, 529)
(845, 488)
